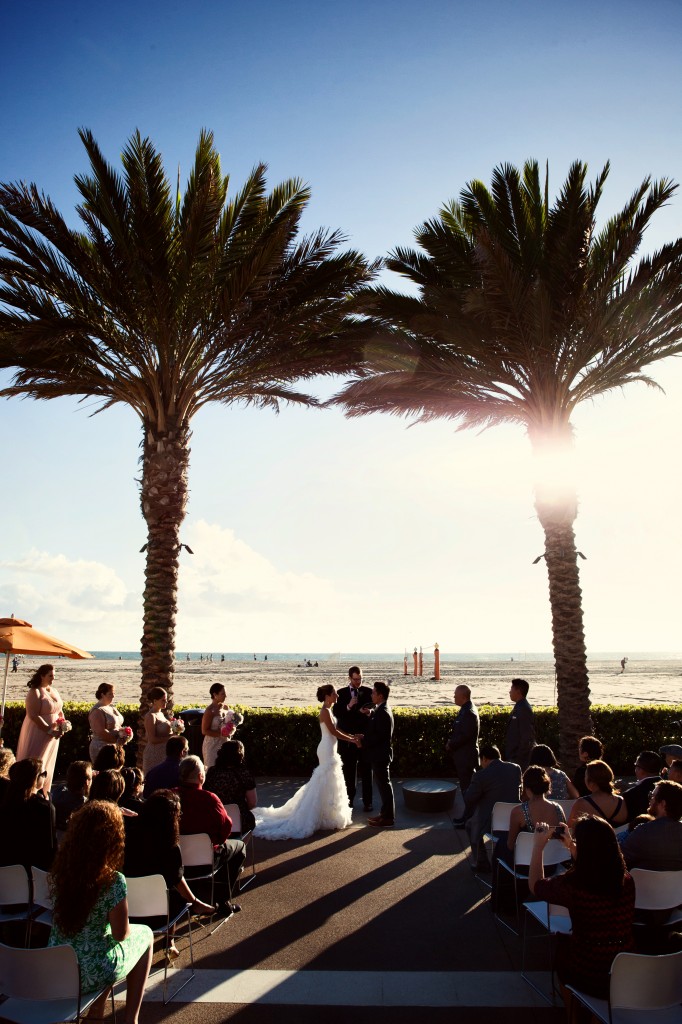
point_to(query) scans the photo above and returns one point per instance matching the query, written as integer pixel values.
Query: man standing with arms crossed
(377, 745)
(350, 701)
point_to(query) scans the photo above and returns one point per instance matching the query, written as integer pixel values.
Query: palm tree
(522, 311)
(164, 303)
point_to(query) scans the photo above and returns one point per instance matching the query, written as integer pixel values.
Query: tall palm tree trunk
(163, 497)
(568, 637)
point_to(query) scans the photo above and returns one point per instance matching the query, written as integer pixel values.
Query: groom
(377, 745)
(350, 701)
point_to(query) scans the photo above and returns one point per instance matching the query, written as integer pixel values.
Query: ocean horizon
(368, 657)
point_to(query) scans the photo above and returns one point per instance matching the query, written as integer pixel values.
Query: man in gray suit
(657, 845)
(496, 781)
(520, 738)
(463, 742)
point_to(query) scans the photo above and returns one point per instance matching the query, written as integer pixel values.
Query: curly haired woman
(91, 907)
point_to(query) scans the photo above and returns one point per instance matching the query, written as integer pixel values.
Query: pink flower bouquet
(125, 734)
(177, 726)
(62, 725)
(231, 721)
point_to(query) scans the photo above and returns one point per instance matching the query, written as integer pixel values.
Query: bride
(323, 802)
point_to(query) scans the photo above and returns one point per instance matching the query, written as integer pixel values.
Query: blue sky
(311, 531)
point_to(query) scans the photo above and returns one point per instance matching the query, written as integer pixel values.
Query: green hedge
(283, 741)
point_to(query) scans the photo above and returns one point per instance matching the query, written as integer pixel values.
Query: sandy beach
(285, 684)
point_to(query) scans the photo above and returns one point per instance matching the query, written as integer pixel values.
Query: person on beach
(41, 729)
(157, 729)
(521, 728)
(91, 908)
(106, 721)
(350, 701)
(212, 724)
(463, 741)
(322, 803)
(377, 745)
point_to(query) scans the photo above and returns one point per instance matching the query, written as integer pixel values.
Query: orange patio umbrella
(19, 637)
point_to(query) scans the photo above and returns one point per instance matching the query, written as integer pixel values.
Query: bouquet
(62, 725)
(177, 726)
(125, 734)
(231, 721)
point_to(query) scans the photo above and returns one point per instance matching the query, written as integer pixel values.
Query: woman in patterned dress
(40, 733)
(91, 907)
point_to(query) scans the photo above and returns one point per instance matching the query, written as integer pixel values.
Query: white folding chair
(149, 903)
(555, 920)
(643, 990)
(554, 853)
(43, 986)
(15, 896)
(197, 852)
(41, 898)
(658, 890)
(246, 836)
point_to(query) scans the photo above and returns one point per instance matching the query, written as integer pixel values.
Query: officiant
(348, 713)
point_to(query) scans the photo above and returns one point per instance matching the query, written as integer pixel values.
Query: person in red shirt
(203, 812)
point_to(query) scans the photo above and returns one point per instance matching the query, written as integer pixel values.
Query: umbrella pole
(4, 696)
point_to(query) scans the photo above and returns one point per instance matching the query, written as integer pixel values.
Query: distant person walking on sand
(15, 664)
(520, 738)
(623, 663)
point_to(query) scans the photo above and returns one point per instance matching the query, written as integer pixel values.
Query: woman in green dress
(91, 907)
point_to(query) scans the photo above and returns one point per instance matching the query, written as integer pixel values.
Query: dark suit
(377, 743)
(638, 797)
(655, 845)
(463, 744)
(499, 781)
(520, 734)
(351, 720)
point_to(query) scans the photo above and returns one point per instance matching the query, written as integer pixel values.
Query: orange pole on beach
(405, 664)
(421, 662)
(416, 665)
(436, 663)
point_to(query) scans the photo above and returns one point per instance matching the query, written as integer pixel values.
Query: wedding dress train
(322, 803)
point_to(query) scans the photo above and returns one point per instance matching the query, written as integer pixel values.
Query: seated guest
(6, 762)
(132, 794)
(561, 786)
(27, 819)
(589, 749)
(203, 812)
(110, 756)
(109, 785)
(670, 752)
(91, 910)
(657, 844)
(600, 897)
(166, 774)
(74, 794)
(232, 782)
(603, 799)
(497, 780)
(647, 773)
(534, 808)
(152, 849)
(675, 771)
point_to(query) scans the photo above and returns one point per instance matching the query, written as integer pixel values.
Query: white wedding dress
(321, 804)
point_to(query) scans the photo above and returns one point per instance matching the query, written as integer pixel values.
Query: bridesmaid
(40, 735)
(211, 725)
(106, 721)
(157, 729)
